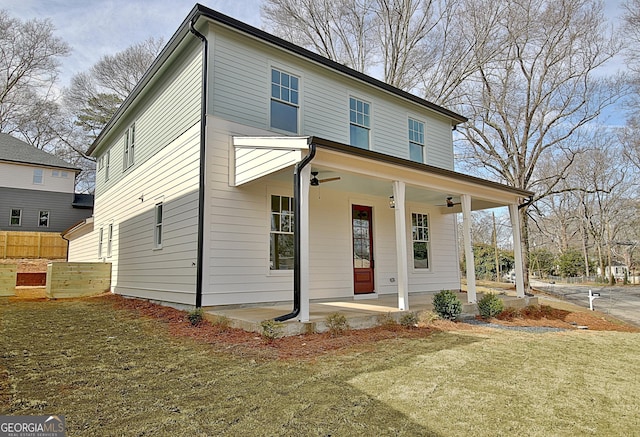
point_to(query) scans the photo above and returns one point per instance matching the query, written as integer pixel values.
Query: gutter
(297, 274)
(203, 155)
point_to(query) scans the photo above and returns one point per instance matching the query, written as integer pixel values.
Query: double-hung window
(157, 230)
(107, 160)
(100, 240)
(285, 90)
(129, 146)
(360, 122)
(38, 176)
(416, 140)
(109, 240)
(281, 246)
(16, 217)
(43, 219)
(420, 231)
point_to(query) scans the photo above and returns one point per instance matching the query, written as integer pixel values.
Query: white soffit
(256, 157)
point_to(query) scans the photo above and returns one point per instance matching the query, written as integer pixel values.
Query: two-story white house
(37, 190)
(245, 169)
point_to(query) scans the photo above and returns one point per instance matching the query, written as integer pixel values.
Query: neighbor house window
(416, 140)
(129, 146)
(60, 174)
(43, 219)
(109, 240)
(157, 232)
(281, 247)
(16, 217)
(107, 160)
(420, 230)
(100, 240)
(284, 101)
(38, 176)
(360, 122)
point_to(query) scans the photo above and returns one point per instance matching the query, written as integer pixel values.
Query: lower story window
(16, 217)
(157, 233)
(43, 219)
(420, 231)
(281, 244)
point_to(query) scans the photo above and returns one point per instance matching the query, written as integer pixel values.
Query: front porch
(360, 313)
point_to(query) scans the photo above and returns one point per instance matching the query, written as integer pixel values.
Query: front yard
(112, 372)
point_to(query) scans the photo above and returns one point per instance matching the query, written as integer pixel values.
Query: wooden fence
(48, 245)
(66, 280)
(8, 274)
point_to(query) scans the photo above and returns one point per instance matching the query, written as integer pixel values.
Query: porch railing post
(401, 245)
(465, 200)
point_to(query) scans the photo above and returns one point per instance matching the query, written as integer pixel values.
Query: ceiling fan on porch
(450, 203)
(315, 181)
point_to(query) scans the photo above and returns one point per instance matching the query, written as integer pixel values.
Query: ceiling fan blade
(329, 179)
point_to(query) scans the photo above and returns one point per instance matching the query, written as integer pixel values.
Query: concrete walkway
(360, 313)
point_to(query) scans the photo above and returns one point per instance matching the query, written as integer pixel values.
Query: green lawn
(113, 374)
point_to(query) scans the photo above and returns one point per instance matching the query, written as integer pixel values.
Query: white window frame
(289, 100)
(109, 240)
(129, 146)
(360, 119)
(421, 234)
(282, 227)
(100, 241)
(417, 138)
(47, 215)
(38, 175)
(107, 164)
(158, 220)
(11, 216)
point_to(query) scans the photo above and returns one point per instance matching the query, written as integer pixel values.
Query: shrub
(490, 306)
(271, 329)
(196, 316)
(409, 320)
(223, 323)
(447, 305)
(336, 324)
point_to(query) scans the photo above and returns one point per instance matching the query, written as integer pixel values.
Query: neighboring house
(289, 176)
(618, 270)
(37, 190)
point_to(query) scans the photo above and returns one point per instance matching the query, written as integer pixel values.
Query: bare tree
(29, 59)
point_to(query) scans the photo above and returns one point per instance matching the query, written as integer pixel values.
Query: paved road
(621, 302)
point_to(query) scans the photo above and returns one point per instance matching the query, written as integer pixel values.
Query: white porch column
(401, 245)
(305, 176)
(517, 248)
(465, 200)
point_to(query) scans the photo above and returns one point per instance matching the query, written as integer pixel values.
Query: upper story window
(16, 217)
(129, 146)
(60, 174)
(43, 219)
(420, 232)
(285, 89)
(101, 163)
(360, 122)
(38, 176)
(281, 245)
(416, 140)
(107, 161)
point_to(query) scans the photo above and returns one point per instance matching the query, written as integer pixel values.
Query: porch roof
(257, 157)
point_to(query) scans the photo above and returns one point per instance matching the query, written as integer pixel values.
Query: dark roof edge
(38, 164)
(377, 156)
(200, 10)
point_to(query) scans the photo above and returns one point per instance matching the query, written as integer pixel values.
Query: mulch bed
(309, 346)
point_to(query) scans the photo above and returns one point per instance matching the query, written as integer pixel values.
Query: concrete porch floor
(360, 313)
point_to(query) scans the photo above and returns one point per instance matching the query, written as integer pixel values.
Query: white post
(305, 178)
(517, 249)
(465, 201)
(401, 245)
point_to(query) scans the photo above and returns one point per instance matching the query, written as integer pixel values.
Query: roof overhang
(366, 171)
(79, 229)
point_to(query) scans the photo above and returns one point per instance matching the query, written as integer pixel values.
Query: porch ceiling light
(392, 202)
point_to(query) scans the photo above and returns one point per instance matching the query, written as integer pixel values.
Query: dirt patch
(26, 265)
(312, 345)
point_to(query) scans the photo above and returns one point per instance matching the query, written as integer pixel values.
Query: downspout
(297, 274)
(203, 154)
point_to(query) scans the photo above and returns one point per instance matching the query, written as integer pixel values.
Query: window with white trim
(285, 89)
(15, 218)
(129, 147)
(109, 240)
(107, 161)
(281, 238)
(420, 237)
(359, 122)
(416, 140)
(157, 230)
(38, 176)
(100, 240)
(43, 219)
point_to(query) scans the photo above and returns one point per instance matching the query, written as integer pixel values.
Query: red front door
(362, 249)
